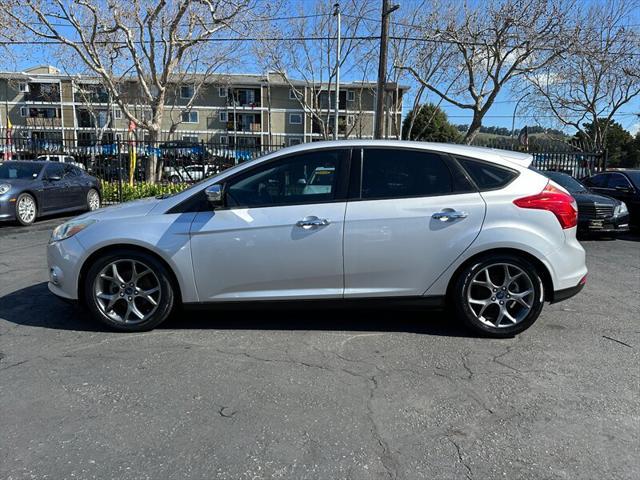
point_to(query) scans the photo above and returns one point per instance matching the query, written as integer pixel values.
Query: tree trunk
(151, 167)
(473, 130)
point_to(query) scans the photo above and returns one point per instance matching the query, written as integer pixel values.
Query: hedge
(139, 190)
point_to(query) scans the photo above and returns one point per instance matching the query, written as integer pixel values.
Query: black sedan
(623, 184)
(596, 213)
(29, 189)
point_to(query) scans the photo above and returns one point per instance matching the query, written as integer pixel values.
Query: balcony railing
(240, 127)
(43, 122)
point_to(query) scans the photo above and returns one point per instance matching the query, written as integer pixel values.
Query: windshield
(19, 170)
(566, 181)
(634, 176)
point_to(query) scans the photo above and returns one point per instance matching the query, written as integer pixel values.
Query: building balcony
(43, 122)
(240, 127)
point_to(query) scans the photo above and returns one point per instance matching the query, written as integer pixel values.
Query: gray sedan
(29, 189)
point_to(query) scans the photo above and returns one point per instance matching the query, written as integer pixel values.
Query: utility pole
(336, 13)
(382, 67)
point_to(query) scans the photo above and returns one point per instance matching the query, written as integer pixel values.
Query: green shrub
(110, 190)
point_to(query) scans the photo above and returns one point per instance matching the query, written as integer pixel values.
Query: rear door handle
(311, 222)
(448, 215)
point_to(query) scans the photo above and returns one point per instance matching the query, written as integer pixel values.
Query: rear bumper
(566, 293)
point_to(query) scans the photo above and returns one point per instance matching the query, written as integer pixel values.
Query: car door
(75, 188)
(273, 240)
(54, 188)
(411, 213)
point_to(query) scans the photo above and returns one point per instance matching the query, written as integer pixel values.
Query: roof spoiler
(519, 158)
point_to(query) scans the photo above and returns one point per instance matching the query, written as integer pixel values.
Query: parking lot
(308, 394)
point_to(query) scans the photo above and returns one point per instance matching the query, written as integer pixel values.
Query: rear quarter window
(487, 176)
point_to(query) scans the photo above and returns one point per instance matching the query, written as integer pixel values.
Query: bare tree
(467, 53)
(597, 77)
(158, 43)
(310, 56)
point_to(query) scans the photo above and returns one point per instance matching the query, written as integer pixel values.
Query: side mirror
(302, 181)
(214, 195)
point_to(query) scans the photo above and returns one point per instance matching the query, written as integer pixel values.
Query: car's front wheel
(499, 295)
(93, 199)
(129, 291)
(26, 209)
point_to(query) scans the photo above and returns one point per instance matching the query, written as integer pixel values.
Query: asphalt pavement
(315, 394)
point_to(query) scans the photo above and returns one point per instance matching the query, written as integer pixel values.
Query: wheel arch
(542, 269)
(136, 248)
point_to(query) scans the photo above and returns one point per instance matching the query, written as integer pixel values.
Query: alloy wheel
(501, 295)
(27, 209)
(127, 291)
(93, 200)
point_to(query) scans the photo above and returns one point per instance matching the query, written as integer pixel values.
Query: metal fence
(121, 164)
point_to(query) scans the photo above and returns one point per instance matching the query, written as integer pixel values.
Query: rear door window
(55, 170)
(396, 173)
(487, 176)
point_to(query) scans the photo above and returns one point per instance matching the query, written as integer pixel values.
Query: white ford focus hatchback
(435, 224)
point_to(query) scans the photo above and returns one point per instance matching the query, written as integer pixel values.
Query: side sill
(431, 302)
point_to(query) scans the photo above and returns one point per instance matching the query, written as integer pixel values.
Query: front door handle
(448, 215)
(311, 222)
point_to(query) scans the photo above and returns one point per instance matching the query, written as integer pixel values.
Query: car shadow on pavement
(35, 306)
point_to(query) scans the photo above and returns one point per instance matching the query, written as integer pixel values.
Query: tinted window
(306, 178)
(70, 171)
(618, 180)
(598, 180)
(635, 177)
(487, 176)
(9, 170)
(389, 173)
(55, 170)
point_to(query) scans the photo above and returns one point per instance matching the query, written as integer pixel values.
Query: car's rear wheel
(26, 209)
(93, 200)
(129, 291)
(499, 295)
(175, 179)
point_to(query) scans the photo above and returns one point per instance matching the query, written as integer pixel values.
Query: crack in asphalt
(617, 341)
(469, 473)
(221, 412)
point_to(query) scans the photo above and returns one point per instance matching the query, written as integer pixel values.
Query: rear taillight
(560, 203)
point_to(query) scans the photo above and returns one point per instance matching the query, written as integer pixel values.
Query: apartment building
(43, 105)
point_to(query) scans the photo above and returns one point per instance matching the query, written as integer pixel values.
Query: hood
(134, 208)
(591, 198)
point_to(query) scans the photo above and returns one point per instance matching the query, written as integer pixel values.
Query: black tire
(175, 179)
(465, 313)
(165, 303)
(88, 199)
(19, 219)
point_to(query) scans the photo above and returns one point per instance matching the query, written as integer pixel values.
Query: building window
(190, 117)
(222, 116)
(186, 91)
(293, 94)
(24, 112)
(294, 141)
(222, 92)
(190, 138)
(350, 119)
(117, 114)
(23, 87)
(351, 96)
(224, 140)
(295, 118)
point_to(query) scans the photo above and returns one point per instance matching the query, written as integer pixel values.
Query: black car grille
(595, 211)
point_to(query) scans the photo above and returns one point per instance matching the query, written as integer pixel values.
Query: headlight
(4, 188)
(69, 229)
(620, 209)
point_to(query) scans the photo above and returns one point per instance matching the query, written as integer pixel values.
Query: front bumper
(617, 224)
(7, 207)
(64, 261)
